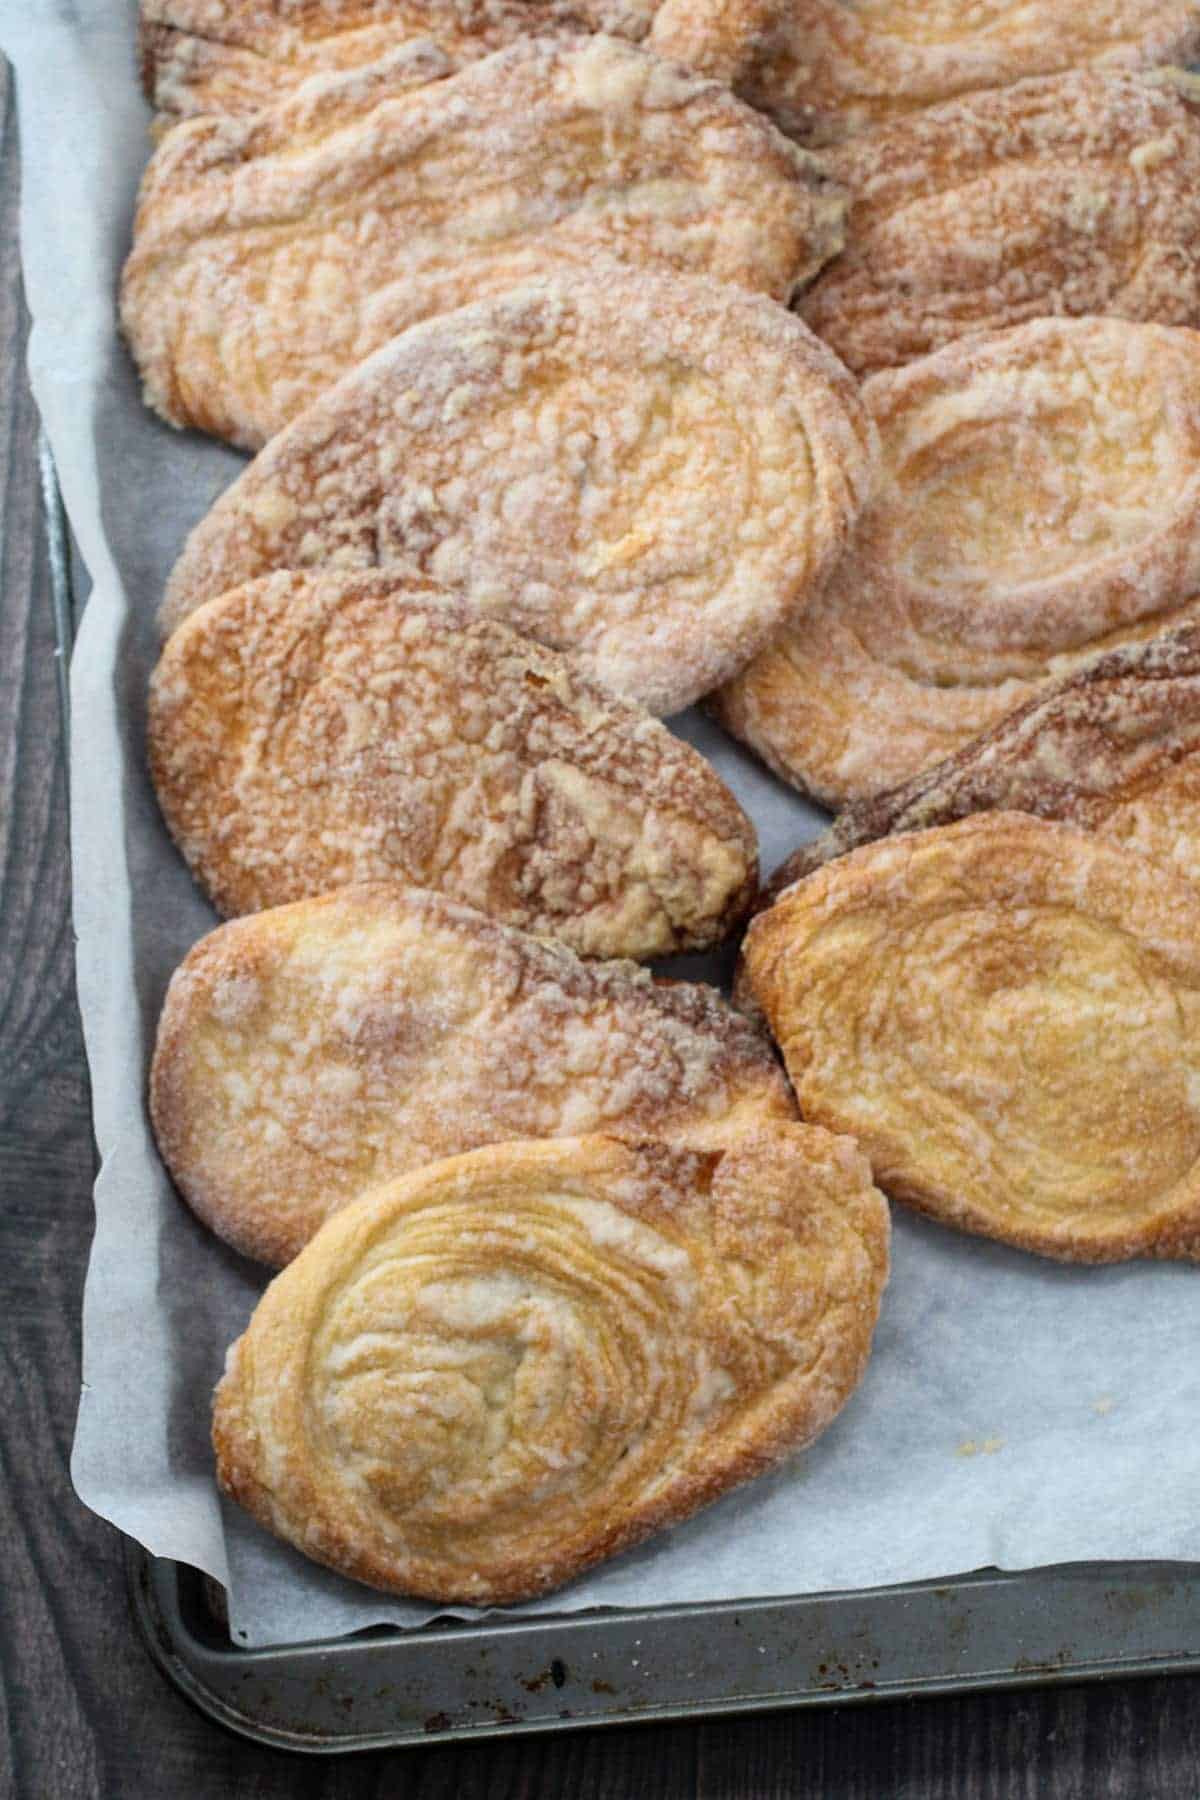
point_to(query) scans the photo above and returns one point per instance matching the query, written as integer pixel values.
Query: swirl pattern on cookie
(826, 70)
(241, 56)
(1006, 1014)
(484, 1378)
(651, 470)
(1072, 194)
(1039, 501)
(272, 254)
(309, 731)
(1114, 749)
(307, 1052)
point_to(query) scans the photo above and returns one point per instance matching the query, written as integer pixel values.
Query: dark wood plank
(83, 1713)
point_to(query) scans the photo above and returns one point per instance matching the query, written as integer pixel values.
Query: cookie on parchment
(309, 1052)
(1005, 1013)
(482, 1379)
(654, 471)
(1071, 194)
(310, 731)
(271, 254)
(1038, 501)
(241, 56)
(1115, 749)
(825, 69)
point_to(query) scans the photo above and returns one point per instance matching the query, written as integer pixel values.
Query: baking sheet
(1015, 1413)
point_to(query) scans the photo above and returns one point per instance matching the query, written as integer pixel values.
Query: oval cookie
(1039, 500)
(310, 1051)
(308, 731)
(240, 56)
(1114, 749)
(1074, 194)
(272, 254)
(484, 1378)
(651, 470)
(825, 69)
(1006, 1014)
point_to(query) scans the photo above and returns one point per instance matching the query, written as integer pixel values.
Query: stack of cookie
(547, 325)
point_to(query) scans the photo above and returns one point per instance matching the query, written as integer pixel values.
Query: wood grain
(83, 1713)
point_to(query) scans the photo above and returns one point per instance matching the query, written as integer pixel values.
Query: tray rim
(208, 1675)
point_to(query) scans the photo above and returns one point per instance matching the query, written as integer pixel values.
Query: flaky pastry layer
(310, 731)
(1071, 194)
(1005, 1013)
(484, 1378)
(650, 469)
(272, 254)
(1038, 501)
(308, 1052)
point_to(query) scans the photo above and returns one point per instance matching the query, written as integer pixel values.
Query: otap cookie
(271, 254)
(308, 731)
(1006, 1014)
(241, 56)
(649, 469)
(825, 69)
(307, 1052)
(1115, 748)
(484, 1378)
(1076, 193)
(1039, 500)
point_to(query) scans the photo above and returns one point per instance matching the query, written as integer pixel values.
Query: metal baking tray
(452, 1679)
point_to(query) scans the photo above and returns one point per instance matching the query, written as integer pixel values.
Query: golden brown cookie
(308, 731)
(1006, 1014)
(1039, 500)
(826, 69)
(273, 253)
(1076, 193)
(238, 56)
(308, 1052)
(491, 1374)
(653, 470)
(1115, 749)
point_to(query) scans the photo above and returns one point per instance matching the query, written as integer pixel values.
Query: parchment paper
(1015, 1413)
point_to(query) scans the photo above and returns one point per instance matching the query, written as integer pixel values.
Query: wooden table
(82, 1710)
